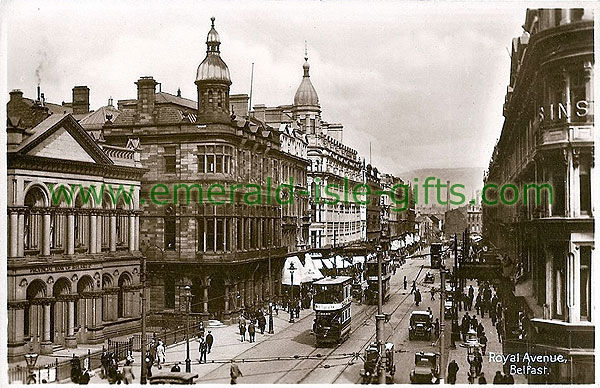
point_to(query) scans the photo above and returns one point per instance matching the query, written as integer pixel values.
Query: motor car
(178, 378)
(420, 325)
(426, 370)
(429, 278)
(369, 372)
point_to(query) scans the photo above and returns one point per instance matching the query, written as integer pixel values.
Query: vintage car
(426, 370)
(429, 278)
(420, 325)
(369, 372)
(173, 378)
(448, 306)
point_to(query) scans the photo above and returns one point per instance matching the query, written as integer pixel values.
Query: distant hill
(470, 177)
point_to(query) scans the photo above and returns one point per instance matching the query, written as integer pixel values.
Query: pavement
(489, 368)
(227, 345)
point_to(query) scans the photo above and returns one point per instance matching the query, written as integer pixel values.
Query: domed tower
(306, 107)
(213, 81)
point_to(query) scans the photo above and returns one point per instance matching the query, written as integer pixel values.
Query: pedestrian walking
(209, 341)
(262, 323)
(498, 378)
(414, 287)
(436, 328)
(128, 373)
(417, 297)
(483, 341)
(201, 329)
(478, 362)
(234, 372)
(482, 379)
(453, 369)
(405, 282)
(149, 360)
(242, 331)
(432, 293)
(509, 379)
(160, 354)
(472, 373)
(500, 329)
(203, 350)
(251, 331)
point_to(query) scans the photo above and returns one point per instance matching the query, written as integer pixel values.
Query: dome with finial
(212, 67)
(306, 93)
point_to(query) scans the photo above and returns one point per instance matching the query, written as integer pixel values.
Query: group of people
(250, 324)
(204, 343)
(110, 369)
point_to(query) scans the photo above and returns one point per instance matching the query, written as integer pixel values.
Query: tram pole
(380, 319)
(442, 338)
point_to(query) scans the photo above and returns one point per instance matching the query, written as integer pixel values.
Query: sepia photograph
(298, 192)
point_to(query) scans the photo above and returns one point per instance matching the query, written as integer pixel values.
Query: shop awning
(301, 275)
(311, 269)
(358, 260)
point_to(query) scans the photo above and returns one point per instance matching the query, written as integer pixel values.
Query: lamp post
(270, 294)
(30, 360)
(188, 297)
(292, 307)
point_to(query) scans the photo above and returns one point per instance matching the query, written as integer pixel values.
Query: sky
(422, 83)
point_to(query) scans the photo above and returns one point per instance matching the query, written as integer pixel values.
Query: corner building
(548, 246)
(223, 251)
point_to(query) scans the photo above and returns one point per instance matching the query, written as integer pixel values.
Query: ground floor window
(585, 290)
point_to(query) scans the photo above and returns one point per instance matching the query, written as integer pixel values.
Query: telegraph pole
(380, 319)
(442, 338)
(143, 295)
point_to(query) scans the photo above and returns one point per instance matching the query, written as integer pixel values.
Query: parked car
(369, 372)
(173, 378)
(427, 369)
(420, 325)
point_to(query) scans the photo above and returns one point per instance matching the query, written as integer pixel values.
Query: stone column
(71, 341)
(46, 234)
(565, 16)
(46, 345)
(137, 232)
(549, 283)
(93, 234)
(21, 235)
(574, 284)
(113, 232)
(14, 231)
(99, 222)
(588, 68)
(70, 233)
(131, 232)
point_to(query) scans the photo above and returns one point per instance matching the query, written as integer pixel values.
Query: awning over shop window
(311, 269)
(358, 260)
(301, 275)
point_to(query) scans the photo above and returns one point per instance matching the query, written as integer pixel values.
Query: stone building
(333, 166)
(221, 243)
(73, 255)
(398, 213)
(547, 138)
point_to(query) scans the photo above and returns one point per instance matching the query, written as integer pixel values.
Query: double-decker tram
(332, 310)
(372, 270)
(436, 255)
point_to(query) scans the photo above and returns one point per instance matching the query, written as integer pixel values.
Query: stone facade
(73, 258)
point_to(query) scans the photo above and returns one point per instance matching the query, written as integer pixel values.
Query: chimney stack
(146, 87)
(81, 100)
(16, 95)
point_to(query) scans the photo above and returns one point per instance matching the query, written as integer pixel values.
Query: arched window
(35, 199)
(32, 317)
(124, 296)
(122, 224)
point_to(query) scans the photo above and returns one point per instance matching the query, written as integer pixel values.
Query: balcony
(557, 135)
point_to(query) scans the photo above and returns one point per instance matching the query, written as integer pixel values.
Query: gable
(61, 145)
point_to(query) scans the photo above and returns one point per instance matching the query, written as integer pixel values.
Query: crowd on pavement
(471, 330)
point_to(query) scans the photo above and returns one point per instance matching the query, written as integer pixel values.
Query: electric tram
(332, 310)
(436, 255)
(371, 269)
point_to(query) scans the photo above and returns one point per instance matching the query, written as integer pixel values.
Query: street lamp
(292, 307)
(30, 360)
(188, 298)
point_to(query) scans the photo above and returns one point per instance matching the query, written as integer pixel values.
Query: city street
(289, 356)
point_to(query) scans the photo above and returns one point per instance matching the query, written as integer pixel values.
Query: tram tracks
(369, 310)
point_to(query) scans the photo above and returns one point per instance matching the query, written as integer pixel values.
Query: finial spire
(212, 20)
(305, 51)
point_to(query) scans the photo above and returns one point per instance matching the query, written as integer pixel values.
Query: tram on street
(332, 300)
(371, 269)
(436, 255)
